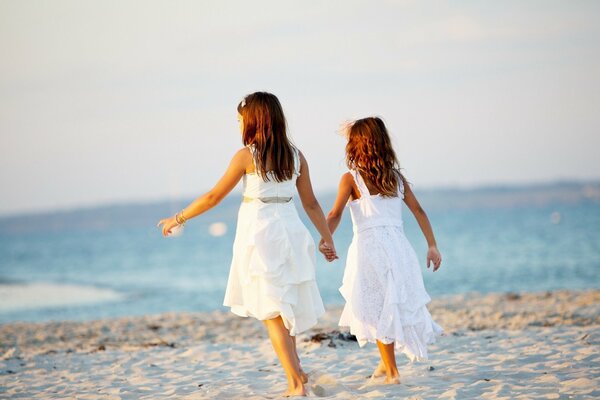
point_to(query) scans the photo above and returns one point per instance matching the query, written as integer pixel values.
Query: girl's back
(374, 210)
(256, 187)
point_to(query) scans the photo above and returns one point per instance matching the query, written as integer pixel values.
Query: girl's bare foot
(388, 362)
(303, 376)
(295, 391)
(379, 371)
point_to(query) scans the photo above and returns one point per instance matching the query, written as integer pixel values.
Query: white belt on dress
(271, 199)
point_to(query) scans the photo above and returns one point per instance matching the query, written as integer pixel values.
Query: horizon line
(186, 197)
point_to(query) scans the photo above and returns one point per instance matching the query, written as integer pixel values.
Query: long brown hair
(369, 151)
(265, 129)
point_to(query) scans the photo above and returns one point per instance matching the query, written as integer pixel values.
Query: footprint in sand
(325, 385)
(318, 390)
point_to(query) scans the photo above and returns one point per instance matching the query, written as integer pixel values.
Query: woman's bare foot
(392, 380)
(379, 371)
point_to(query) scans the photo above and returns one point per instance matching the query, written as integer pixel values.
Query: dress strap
(252, 150)
(296, 160)
(400, 186)
(360, 183)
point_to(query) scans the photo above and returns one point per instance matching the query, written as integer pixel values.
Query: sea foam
(41, 295)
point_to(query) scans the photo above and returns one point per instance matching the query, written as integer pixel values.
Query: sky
(116, 101)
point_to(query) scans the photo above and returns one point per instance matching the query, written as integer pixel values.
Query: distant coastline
(121, 214)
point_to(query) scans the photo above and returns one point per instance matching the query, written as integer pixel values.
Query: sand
(496, 346)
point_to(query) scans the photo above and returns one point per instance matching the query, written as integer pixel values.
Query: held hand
(168, 224)
(434, 256)
(328, 250)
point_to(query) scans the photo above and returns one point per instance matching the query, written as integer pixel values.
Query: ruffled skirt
(273, 267)
(384, 292)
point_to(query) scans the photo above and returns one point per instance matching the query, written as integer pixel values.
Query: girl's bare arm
(433, 255)
(313, 208)
(232, 176)
(344, 191)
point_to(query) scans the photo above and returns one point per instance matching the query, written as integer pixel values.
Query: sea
(112, 261)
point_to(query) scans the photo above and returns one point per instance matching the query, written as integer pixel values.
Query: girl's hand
(168, 224)
(434, 256)
(328, 250)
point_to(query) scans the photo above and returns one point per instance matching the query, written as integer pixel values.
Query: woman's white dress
(382, 285)
(273, 266)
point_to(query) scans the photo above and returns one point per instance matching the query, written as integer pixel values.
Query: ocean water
(112, 261)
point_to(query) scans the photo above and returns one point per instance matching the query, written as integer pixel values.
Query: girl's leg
(283, 344)
(389, 361)
(302, 373)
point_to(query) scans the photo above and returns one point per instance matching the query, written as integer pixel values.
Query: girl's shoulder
(245, 152)
(348, 180)
(243, 158)
(347, 177)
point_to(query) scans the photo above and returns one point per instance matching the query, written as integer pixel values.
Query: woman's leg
(389, 361)
(283, 344)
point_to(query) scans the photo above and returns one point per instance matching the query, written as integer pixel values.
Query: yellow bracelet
(179, 218)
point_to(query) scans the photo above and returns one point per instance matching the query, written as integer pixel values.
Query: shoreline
(497, 345)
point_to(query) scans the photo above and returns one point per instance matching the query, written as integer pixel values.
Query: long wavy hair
(369, 151)
(265, 130)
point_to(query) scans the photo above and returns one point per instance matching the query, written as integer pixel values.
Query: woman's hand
(328, 250)
(434, 256)
(168, 224)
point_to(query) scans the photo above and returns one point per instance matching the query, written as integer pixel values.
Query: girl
(382, 284)
(272, 276)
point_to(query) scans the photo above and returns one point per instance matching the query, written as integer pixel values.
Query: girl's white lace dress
(382, 285)
(273, 266)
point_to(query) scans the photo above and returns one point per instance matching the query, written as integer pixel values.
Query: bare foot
(392, 380)
(296, 392)
(379, 371)
(303, 376)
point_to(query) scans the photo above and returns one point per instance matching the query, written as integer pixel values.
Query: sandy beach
(496, 346)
